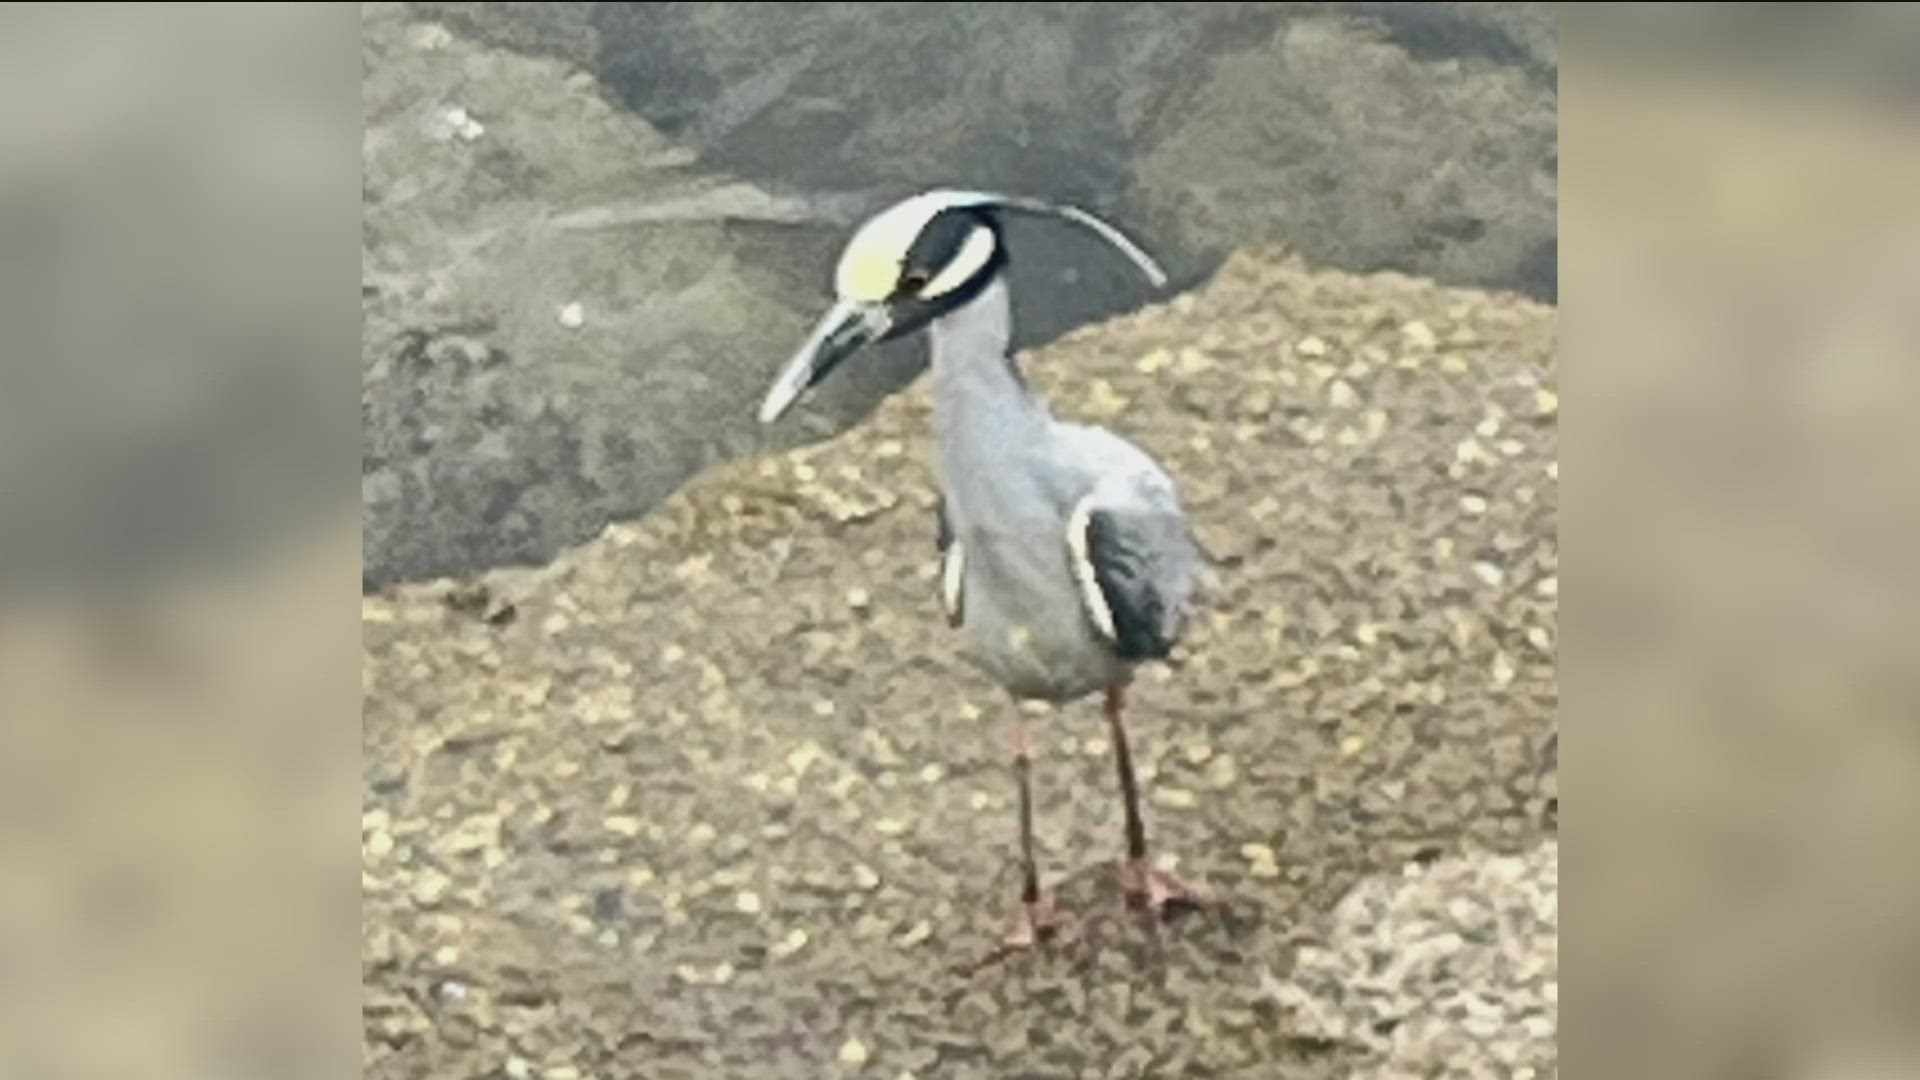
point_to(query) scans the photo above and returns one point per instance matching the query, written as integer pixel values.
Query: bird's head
(913, 262)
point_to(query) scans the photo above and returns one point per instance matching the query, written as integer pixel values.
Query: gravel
(1450, 970)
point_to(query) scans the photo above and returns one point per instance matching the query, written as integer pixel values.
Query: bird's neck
(980, 397)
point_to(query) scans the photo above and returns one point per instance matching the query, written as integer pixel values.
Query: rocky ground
(710, 796)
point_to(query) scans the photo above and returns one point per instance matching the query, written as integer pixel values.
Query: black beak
(841, 332)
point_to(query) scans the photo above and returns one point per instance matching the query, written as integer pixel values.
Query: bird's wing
(1136, 569)
(1132, 548)
(952, 565)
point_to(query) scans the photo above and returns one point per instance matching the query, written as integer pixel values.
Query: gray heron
(1067, 561)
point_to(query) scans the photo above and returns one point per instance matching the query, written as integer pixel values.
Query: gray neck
(980, 398)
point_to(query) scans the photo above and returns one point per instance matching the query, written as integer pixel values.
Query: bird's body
(1024, 496)
(1066, 559)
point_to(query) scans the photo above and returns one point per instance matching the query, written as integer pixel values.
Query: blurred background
(686, 174)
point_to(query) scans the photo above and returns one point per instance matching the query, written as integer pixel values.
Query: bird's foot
(1150, 889)
(1038, 922)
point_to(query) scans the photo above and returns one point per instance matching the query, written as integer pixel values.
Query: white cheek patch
(975, 251)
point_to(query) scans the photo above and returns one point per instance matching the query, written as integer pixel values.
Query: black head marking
(939, 242)
(937, 245)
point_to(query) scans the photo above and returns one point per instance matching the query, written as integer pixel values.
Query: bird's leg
(1145, 887)
(1039, 920)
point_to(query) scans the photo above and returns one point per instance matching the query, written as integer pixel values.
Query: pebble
(623, 824)
(853, 1053)
(1341, 395)
(430, 886)
(1222, 772)
(864, 877)
(795, 940)
(1311, 346)
(573, 316)
(1192, 362)
(456, 121)
(1376, 425)
(1174, 798)
(1473, 504)
(803, 757)
(747, 903)
(1489, 573)
(1419, 335)
(1103, 400)
(1264, 863)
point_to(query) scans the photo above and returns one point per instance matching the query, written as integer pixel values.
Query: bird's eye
(914, 281)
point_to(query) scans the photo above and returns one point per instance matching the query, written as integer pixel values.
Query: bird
(1066, 559)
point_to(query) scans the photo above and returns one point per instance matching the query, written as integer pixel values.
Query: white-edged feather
(1090, 595)
(953, 570)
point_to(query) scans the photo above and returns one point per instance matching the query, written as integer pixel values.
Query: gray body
(1012, 478)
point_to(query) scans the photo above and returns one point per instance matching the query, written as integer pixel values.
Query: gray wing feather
(1138, 547)
(1143, 562)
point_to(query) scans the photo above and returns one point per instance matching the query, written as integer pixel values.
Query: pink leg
(1039, 919)
(1145, 887)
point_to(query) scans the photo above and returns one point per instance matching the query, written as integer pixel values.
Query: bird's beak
(841, 332)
